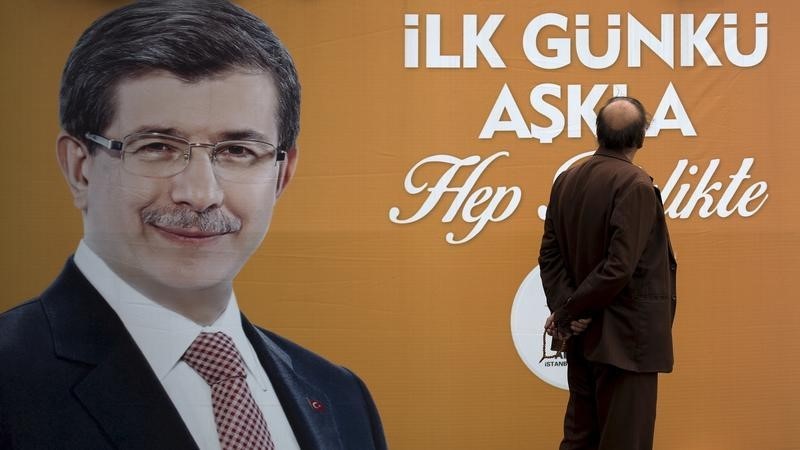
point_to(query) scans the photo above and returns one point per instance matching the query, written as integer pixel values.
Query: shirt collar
(160, 333)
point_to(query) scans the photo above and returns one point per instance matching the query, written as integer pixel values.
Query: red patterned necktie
(240, 424)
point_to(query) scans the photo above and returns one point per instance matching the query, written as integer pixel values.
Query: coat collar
(308, 409)
(119, 391)
(612, 154)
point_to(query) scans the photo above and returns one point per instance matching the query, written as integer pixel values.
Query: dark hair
(191, 39)
(630, 136)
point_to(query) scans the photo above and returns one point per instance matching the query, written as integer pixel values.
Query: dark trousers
(609, 408)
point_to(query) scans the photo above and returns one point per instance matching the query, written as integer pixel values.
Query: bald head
(621, 124)
(620, 114)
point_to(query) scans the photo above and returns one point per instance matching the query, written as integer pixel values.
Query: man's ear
(287, 170)
(74, 159)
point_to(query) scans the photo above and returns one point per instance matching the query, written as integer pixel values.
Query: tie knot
(215, 358)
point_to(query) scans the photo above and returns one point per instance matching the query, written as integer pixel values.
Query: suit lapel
(308, 409)
(120, 391)
(131, 405)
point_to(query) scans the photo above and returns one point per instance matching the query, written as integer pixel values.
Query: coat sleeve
(632, 218)
(556, 281)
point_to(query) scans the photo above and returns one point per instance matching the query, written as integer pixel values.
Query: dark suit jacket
(72, 377)
(606, 254)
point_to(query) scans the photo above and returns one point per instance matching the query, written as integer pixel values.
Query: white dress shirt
(164, 335)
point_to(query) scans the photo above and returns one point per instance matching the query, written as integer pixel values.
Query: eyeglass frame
(118, 146)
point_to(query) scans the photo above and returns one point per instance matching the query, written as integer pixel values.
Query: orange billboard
(406, 246)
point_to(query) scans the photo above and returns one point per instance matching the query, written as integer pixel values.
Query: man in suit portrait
(608, 272)
(179, 126)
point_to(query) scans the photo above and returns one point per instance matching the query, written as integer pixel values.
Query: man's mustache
(212, 220)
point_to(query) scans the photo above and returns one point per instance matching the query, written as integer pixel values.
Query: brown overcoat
(606, 254)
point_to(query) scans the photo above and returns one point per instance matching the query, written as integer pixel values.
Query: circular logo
(528, 315)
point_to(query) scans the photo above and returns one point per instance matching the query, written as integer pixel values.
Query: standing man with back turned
(179, 125)
(608, 272)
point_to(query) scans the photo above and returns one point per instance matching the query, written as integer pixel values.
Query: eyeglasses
(161, 155)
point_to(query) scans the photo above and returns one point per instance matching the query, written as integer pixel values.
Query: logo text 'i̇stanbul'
(528, 315)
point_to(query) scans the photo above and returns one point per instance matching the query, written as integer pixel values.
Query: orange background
(426, 323)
